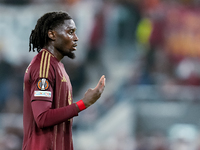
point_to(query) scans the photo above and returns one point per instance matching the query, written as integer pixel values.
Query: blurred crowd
(159, 37)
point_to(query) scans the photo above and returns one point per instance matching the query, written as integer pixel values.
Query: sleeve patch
(43, 84)
(42, 93)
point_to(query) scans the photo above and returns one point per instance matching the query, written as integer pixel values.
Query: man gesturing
(48, 102)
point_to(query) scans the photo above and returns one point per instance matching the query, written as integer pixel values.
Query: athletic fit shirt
(47, 83)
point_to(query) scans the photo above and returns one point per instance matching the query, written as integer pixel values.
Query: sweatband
(81, 105)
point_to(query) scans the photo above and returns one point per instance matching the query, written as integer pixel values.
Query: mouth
(74, 46)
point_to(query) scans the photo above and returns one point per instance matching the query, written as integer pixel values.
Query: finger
(101, 83)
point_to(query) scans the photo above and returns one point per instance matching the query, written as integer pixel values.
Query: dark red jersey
(48, 105)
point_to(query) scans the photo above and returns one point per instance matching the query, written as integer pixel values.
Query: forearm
(46, 117)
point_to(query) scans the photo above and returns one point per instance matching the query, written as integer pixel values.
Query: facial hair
(69, 54)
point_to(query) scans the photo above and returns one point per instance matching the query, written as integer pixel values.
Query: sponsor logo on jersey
(42, 93)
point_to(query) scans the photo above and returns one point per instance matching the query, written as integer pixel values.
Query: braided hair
(49, 21)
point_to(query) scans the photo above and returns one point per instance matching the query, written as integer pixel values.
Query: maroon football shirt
(48, 105)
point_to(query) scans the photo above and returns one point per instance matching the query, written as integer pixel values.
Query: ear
(51, 35)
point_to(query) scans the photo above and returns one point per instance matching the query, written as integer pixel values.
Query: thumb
(101, 83)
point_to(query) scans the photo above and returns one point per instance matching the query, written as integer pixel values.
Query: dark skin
(63, 42)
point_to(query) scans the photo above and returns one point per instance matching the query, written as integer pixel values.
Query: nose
(75, 38)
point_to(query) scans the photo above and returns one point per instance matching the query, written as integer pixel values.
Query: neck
(55, 52)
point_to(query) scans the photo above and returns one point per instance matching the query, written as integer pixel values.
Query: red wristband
(81, 105)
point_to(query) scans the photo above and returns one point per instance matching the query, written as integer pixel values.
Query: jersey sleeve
(42, 79)
(46, 117)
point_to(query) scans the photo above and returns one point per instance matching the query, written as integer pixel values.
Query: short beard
(70, 55)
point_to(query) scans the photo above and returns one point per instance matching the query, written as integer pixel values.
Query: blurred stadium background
(149, 51)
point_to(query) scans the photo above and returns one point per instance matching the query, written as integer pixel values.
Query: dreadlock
(49, 21)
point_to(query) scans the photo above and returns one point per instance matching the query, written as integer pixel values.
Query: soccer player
(48, 103)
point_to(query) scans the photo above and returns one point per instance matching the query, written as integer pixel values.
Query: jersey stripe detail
(48, 64)
(41, 63)
(55, 134)
(45, 61)
(45, 64)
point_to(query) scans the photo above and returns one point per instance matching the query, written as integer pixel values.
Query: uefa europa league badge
(43, 84)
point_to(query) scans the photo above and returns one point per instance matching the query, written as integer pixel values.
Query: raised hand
(92, 95)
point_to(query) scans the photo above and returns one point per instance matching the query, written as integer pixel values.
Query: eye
(71, 32)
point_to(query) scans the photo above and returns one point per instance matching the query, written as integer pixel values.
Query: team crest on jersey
(43, 84)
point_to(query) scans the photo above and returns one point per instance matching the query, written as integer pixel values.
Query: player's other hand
(92, 95)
